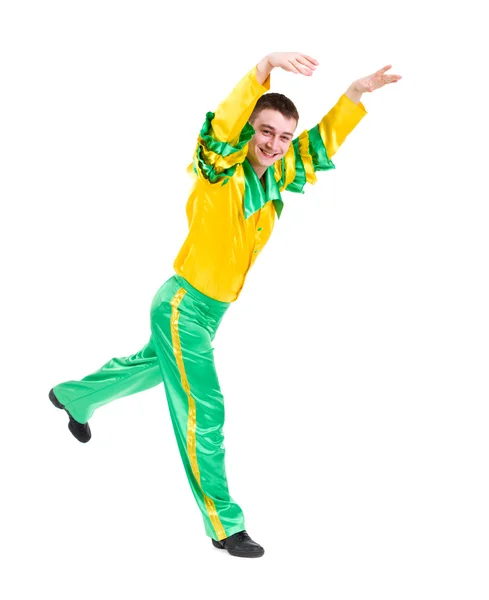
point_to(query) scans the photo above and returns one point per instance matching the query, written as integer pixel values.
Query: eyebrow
(273, 129)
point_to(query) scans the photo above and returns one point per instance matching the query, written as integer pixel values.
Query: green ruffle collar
(255, 196)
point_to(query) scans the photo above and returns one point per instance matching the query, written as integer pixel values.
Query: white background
(354, 364)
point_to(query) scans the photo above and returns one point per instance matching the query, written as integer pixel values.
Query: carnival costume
(230, 216)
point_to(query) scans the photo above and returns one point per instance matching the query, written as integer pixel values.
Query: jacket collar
(255, 197)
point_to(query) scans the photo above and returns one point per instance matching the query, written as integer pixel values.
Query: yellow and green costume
(230, 217)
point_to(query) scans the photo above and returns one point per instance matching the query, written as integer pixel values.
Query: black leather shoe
(80, 430)
(240, 544)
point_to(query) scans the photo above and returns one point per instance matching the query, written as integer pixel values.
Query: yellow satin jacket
(230, 215)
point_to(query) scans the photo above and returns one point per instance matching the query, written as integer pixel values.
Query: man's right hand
(294, 62)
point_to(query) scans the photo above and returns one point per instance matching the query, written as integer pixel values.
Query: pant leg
(118, 378)
(183, 344)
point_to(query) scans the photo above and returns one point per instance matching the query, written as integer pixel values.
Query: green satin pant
(179, 354)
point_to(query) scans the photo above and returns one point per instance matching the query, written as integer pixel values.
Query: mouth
(268, 155)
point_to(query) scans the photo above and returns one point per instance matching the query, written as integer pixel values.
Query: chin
(266, 162)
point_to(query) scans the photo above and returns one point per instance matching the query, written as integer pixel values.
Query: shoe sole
(216, 544)
(58, 404)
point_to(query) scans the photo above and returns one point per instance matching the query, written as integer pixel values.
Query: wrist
(354, 93)
(263, 69)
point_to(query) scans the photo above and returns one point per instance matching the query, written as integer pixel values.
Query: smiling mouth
(266, 155)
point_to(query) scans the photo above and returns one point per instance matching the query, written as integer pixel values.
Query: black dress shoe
(240, 544)
(80, 430)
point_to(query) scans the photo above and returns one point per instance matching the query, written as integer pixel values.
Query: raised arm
(344, 117)
(223, 140)
(313, 149)
(232, 115)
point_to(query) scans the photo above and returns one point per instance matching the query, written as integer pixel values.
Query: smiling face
(272, 139)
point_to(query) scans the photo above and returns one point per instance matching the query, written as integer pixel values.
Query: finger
(384, 69)
(311, 59)
(306, 62)
(305, 70)
(301, 68)
(292, 67)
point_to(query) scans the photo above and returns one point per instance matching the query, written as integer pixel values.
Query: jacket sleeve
(223, 140)
(313, 149)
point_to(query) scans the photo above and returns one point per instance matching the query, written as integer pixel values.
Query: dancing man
(246, 155)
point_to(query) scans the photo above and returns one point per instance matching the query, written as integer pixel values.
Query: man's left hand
(376, 80)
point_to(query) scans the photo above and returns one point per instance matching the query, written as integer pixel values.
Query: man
(245, 157)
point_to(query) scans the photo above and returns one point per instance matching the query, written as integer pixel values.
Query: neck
(260, 171)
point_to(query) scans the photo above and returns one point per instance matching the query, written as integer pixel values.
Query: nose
(273, 144)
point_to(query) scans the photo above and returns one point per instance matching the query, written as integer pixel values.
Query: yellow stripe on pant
(191, 441)
(184, 323)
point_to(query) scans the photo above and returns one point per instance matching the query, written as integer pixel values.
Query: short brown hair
(277, 102)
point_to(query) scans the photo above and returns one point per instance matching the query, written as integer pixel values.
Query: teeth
(267, 154)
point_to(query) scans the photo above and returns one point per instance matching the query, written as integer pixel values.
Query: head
(274, 119)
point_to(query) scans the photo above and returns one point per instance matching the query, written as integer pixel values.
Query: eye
(267, 131)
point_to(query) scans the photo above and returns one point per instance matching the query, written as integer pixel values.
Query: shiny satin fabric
(230, 213)
(179, 354)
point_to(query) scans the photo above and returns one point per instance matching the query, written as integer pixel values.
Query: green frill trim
(320, 160)
(318, 151)
(222, 148)
(300, 173)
